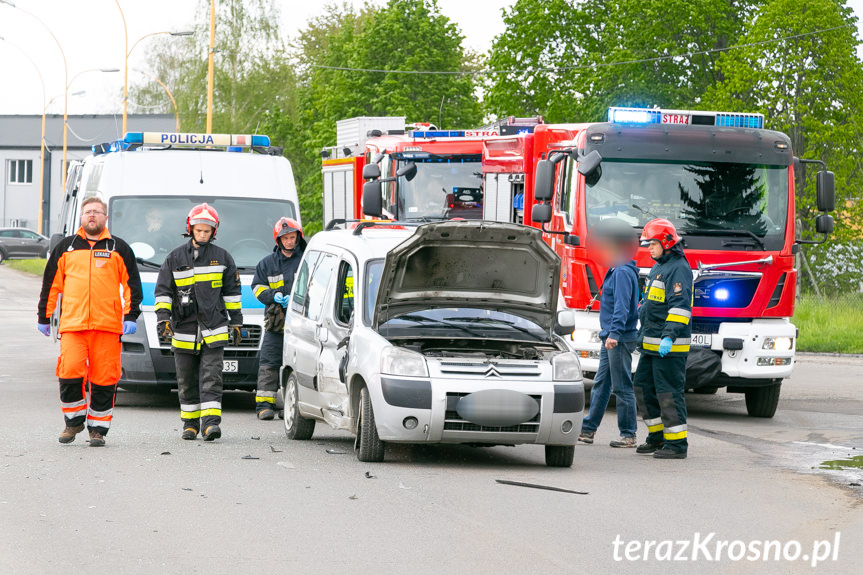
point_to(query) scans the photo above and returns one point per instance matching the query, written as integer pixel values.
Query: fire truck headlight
(778, 343)
(582, 336)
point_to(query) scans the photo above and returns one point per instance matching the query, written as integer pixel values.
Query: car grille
(490, 369)
(454, 422)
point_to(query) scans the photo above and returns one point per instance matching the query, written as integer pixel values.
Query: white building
(19, 159)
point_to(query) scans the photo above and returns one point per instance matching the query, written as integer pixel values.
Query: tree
(606, 53)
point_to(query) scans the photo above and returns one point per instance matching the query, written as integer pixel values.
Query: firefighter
(274, 277)
(664, 339)
(198, 309)
(98, 278)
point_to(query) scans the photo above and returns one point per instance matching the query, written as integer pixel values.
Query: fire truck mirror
(824, 224)
(543, 187)
(372, 205)
(588, 164)
(408, 171)
(371, 172)
(541, 213)
(825, 191)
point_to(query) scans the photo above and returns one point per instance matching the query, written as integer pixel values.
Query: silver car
(442, 333)
(22, 243)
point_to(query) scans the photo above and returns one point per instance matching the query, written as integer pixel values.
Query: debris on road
(370, 476)
(186, 488)
(353, 497)
(256, 438)
(336, 452)
(537, 486)
(249, 457)
(274, 450)
(165, 453)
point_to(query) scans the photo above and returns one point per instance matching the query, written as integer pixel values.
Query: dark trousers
(199, 383)
(659, 384)
(268, 370)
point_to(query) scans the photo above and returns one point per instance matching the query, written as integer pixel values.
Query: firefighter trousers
(89, 357)
(268, 370)
(199, 385)
(659, 390)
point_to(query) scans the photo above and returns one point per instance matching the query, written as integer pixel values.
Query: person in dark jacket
(615, 242)
(274, 278)
(664, 337)
(198, 306)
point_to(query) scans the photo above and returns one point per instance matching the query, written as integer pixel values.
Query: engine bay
(478, 349)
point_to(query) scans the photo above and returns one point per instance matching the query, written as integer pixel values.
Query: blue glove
(281, 299)
(664, 346)
(129, 328)
(45, 329)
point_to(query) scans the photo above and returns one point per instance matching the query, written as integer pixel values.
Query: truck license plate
(232, 366)
(698, 340)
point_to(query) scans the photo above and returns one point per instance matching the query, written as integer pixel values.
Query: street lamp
(128, 52)
(66, 110)
(170, 95)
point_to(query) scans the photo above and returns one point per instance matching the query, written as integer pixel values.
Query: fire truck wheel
(762, 401)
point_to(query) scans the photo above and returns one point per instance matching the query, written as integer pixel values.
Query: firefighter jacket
(275, 274)
(100, 284)
(199, 290)
(666, 310)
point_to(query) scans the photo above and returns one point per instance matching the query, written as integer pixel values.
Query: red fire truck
(728, 186)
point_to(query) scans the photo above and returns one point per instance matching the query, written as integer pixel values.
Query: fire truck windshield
(714, 205)
(445, 187)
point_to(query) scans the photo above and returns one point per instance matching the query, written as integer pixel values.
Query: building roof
(23, 131)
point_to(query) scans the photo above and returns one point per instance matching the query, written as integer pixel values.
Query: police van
(150, 181)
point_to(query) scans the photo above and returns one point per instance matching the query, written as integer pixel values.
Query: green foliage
(834, 325)
(32, 266)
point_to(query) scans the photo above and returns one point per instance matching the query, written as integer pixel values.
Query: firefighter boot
(189, 433)
(68, 434)
(212, 432)
(265, 395)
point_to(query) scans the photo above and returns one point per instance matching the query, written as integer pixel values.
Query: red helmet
(662, 231)
(286, 226)
(203, 214)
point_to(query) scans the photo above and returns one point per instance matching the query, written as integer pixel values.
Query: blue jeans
(613, 375)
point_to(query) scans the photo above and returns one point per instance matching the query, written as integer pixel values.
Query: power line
(586, 66)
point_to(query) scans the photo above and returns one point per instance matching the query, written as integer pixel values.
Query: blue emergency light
(439, 134)
(619, 115)
(191, 139)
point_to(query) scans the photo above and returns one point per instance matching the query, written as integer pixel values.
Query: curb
(815, 355)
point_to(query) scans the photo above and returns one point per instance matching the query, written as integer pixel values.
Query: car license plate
(230, 366)
(702, 339)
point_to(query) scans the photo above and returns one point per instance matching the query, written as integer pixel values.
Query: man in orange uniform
(98, 278)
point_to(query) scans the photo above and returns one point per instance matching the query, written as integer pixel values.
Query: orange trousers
(89, 357)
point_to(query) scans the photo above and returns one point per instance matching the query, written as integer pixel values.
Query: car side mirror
(541, 213)
(372, 203)
(824, 224)
(543, 186)
(825, 191)
(588, 164)
(408, 171)
(371, 172)
(564, 322)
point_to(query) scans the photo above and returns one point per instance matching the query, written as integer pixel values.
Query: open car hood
(471, 264)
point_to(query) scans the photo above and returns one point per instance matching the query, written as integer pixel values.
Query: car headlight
(778, 343)
(398, 361)
(583, 336)
(566, 367)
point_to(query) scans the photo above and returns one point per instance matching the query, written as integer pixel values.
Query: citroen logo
(491, 371)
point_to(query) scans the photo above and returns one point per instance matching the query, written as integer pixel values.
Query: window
(20, 171)
(8, 234)
(28, 235)
(374, 269)
(345, 294)
(317, 291)
(301, 287)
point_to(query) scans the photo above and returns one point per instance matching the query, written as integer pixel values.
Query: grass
(34, 266)
(833, 325)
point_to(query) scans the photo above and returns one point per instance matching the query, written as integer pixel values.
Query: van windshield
(154, 225)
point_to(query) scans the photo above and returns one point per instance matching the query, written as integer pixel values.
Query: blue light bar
(262, 141)
(634, 116)
(740, 120)
(134, 138)
(439, 134)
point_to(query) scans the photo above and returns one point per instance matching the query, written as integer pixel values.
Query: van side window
(345, 294)
(318, 285)
(301, 285)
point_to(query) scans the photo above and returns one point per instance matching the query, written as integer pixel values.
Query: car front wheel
(369, 445)
(296, 426)
(559, 455)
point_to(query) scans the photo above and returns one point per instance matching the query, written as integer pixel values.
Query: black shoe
(265, 413)
(647, 448)
(669, 453)
(189, 433)
(212, 432)
(281, 414)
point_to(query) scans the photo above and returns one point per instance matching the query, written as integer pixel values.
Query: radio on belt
(192, 139)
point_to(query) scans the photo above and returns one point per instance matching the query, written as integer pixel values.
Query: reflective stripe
(190, 407)
(654, 428)
(276, 285)
(674, 348)
(206, 412)
(673, 436)
(652, 421)
(680, 311)
(209, 269)
(276, 279)
(214, 335)
(185, 341)
(676, 428)
(185, 274)
(677, 318)
(259, 399)
(190, 414)
(99, 414)
(211, 405)
(74, 404)
(266, 394)
(160, 305)
(258, 289)
(214, 338)
(232, 301)
(658, 284)
(656, 294)
(208, 277)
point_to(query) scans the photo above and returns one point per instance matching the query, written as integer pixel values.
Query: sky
(90, 33)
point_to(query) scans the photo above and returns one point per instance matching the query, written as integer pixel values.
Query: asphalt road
(253, 501)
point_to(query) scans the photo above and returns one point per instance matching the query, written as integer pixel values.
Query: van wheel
(762, 401)
(369, 445)
(559, 455)
(296, 426)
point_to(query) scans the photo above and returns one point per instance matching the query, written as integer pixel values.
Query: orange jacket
(100, 285)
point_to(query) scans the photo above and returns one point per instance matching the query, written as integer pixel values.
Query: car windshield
(746, 202)
(154, 225)
(444, 187)
(454, 322)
